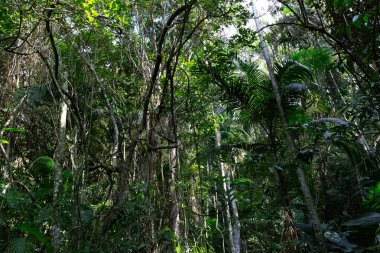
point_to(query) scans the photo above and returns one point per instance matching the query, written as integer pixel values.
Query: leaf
(365, 220)
(29, 229)
(318, 59)
(89, 17)
(4, 141)
(372, 203)
(36, 233)
(241, 181)
(16, 130)
(94, 13)
(359, 20)
(286, 11)
(296, 87)
(337, 121)
(355, 18)
(339, 241)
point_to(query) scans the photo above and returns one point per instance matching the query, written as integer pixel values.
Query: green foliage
(297, 116)
(9, 19)
(42, 166)
(12, 130)
(372, 202)
(332, 116)
(291, 71)
(318, 59)
(15, 130)
(4, 141)
(341, 4)
(360, 20)
(37, 234)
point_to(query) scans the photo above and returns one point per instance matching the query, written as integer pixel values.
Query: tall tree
(292, 148)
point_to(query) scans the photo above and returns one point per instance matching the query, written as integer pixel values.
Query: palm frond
(337, 121)
(291, 71)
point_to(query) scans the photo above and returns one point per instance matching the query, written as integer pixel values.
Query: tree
(292, 148)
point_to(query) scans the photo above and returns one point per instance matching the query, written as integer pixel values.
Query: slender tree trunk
(293, 151)
(207, 212)
(233, 223)
(194, 205)
(215, 197)
(173, 194)
(236, 223)
(227, 206)
(59, 160)
(235, 213)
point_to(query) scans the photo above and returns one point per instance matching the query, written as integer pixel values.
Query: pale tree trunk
(207, 212)
(59, 160)
(215, 197)
(235, 216)
(293, 151)
(173, 194)
(232, 224)
(194, 205)
(193, 197)
(227, 206)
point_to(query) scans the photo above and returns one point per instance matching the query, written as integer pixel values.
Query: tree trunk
(174, 217)
(292, 149)
(236, 223)
(233, 224)
(194, 205)
(59, 160)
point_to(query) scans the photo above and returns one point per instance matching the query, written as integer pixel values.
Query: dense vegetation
(137, 126)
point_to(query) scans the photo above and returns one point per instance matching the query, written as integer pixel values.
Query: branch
(109, 106)
(52, 41)
(157, 65)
